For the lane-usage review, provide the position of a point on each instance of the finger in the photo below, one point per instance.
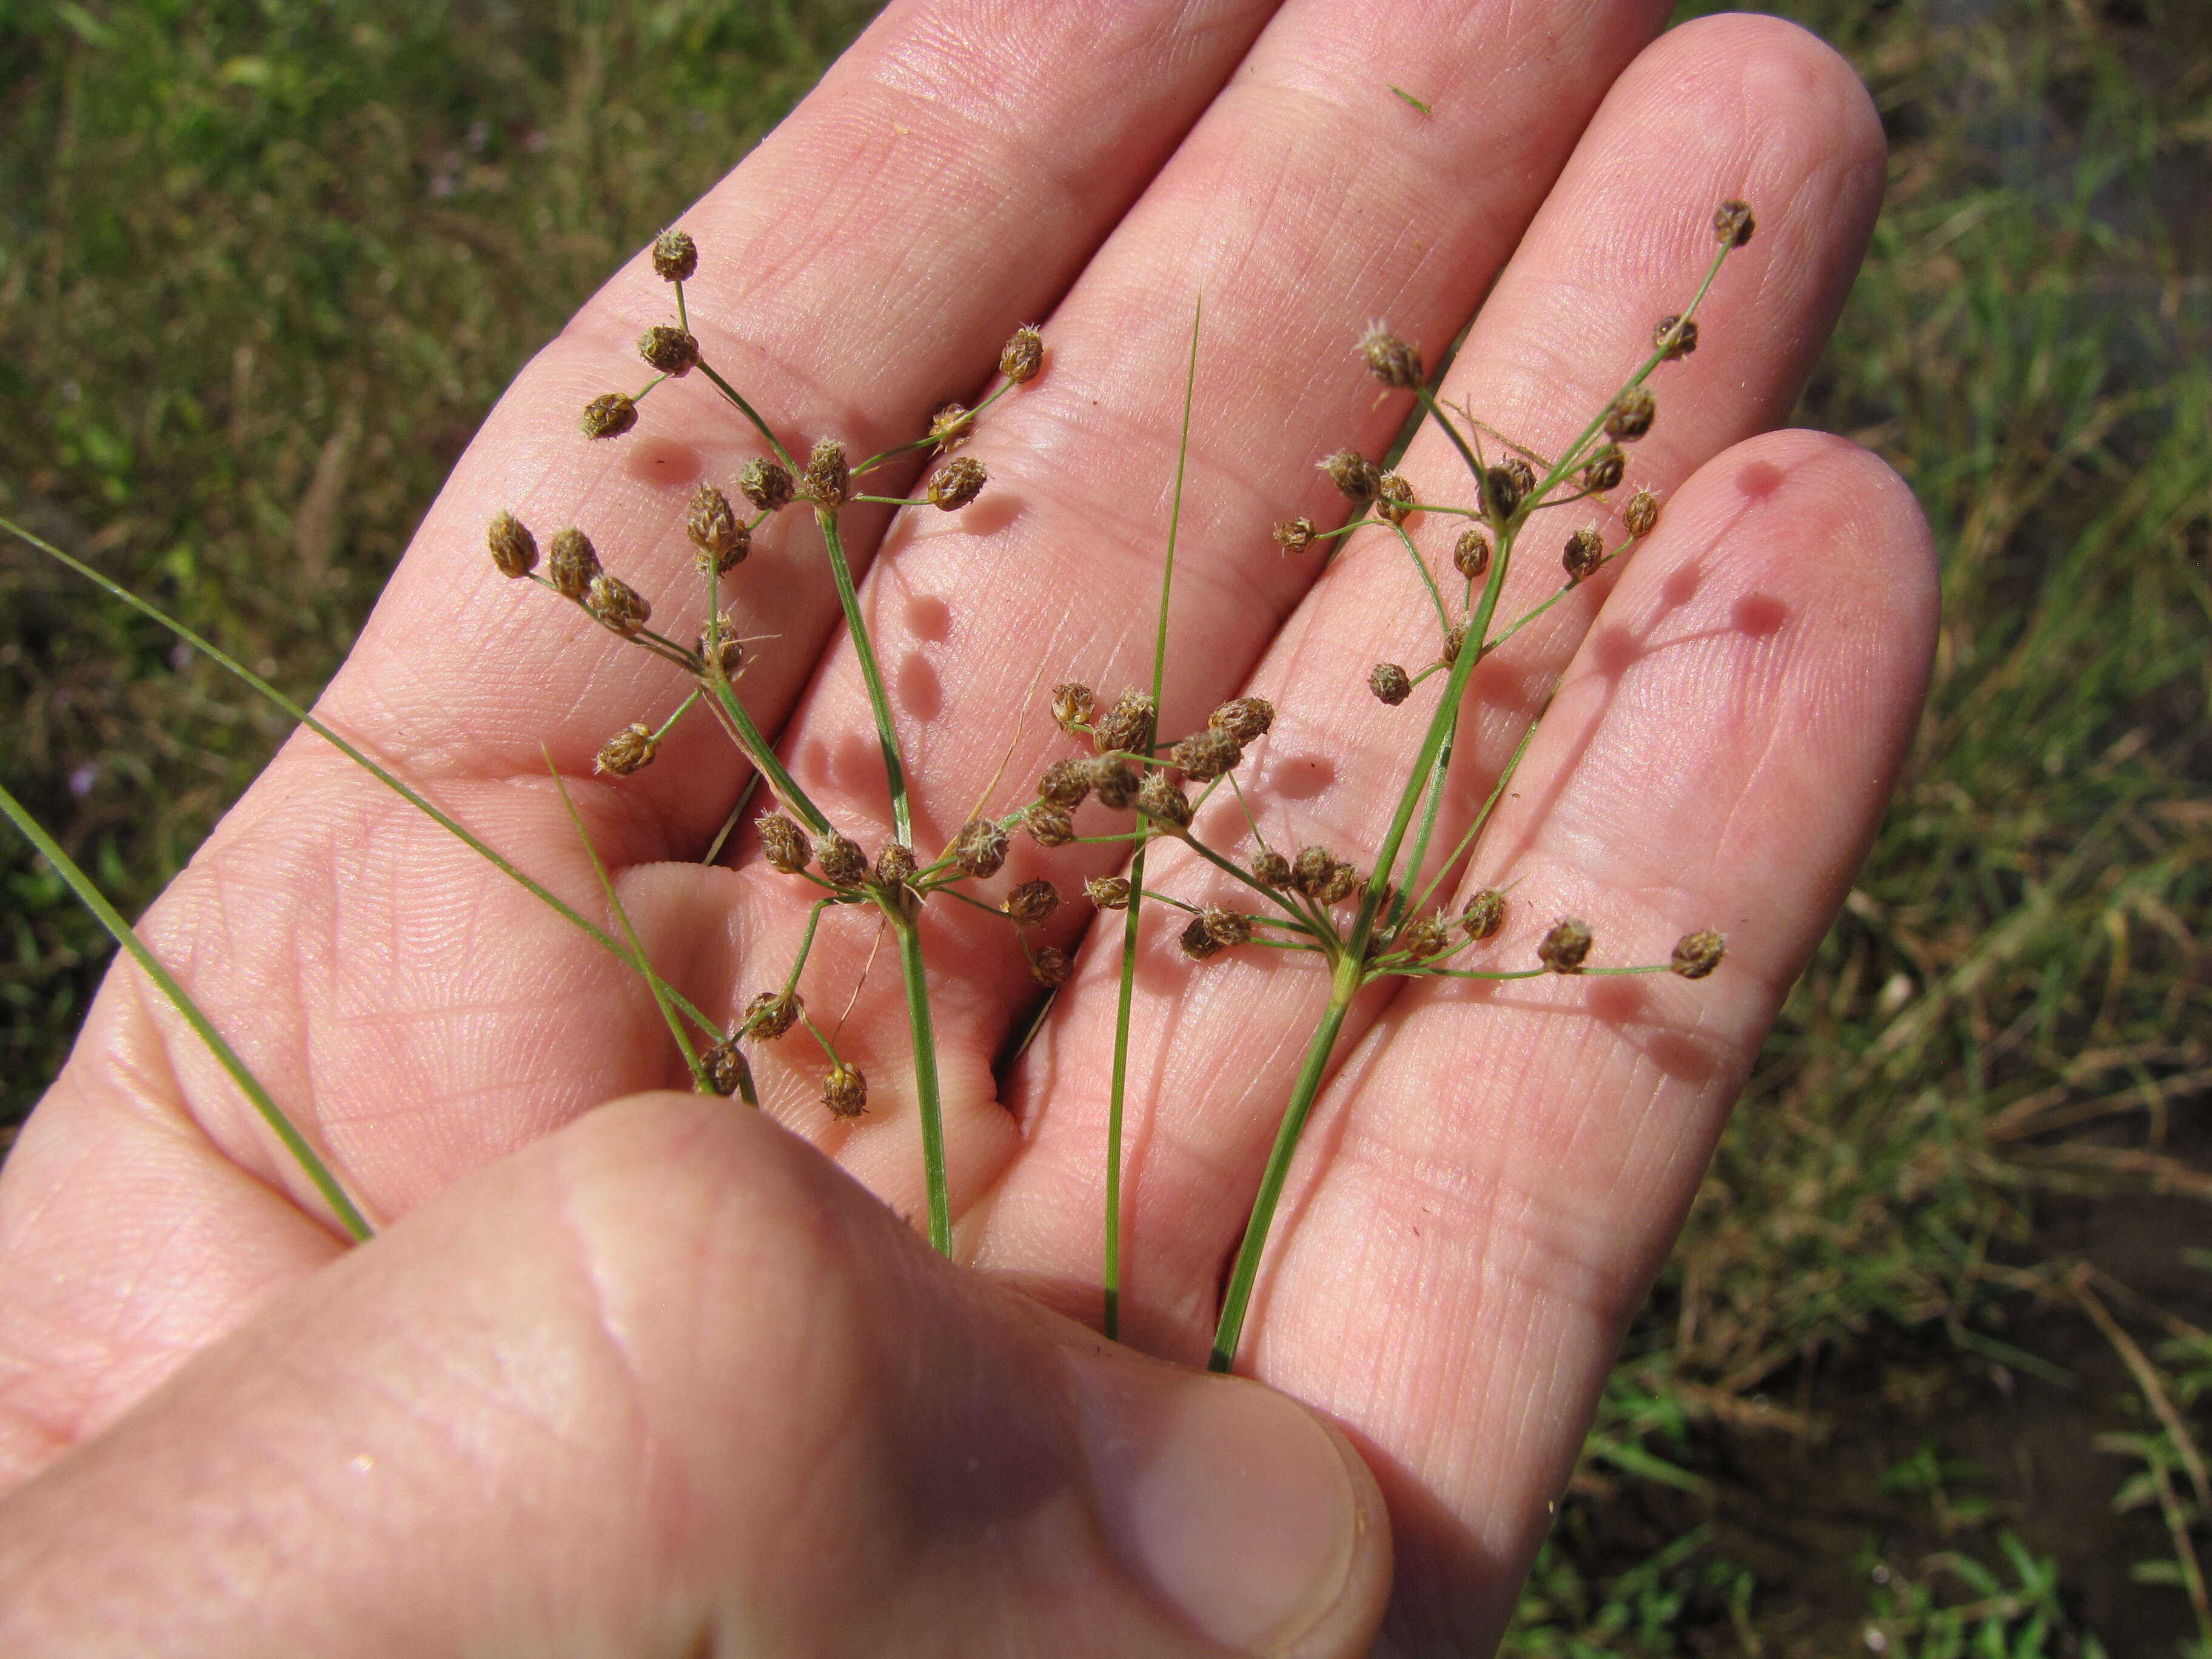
(668, 1384)
(380, 980)
(1719, 754)
(1309, 200)
(1739, 105)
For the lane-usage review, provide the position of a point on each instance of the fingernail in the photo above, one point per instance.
(1231, 1502)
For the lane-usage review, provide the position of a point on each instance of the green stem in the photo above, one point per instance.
(348, 1214)
(924, 1032)
(871, 672)
(1489, 805)
(567, 912)
(763, 758)
(1237, 1300)
(1118, 1100)
(1428, 580)
(1399, 906)
(751, 414)
(662, 993)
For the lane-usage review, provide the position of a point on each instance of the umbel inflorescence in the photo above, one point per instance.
(1363, 914)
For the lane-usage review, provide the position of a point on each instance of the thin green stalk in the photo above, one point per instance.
(730, 824)
(1352, 965)
(1428, 580)
(661, 991)
(348, 1214)
(567, 912)
(756, 750)
(806, 944)
(1399, 906)
(751, 414)
(1118, 1099)
(871, 672)
(1237, 1300)
(1489, 805)
(924, 1031)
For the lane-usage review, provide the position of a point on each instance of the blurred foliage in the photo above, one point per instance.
(265, 264)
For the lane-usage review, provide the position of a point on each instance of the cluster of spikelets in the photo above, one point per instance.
(1303, 896)
(1308, 892)
(722, 537)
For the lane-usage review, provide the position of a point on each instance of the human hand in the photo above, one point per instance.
(1491, 1180)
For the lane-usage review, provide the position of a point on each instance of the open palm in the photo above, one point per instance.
(1493, 1173)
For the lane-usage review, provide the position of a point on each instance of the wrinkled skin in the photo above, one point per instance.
(1491, 1177)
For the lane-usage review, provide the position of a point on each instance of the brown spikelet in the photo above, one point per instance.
(1066, 783)
(1343, 882)
(1226, 927)
(1295, 535)
(1485, 913)
(766, 483)
(1732, 223)
(829, 480)
(1309, 873)
(1270, 869)
(1566, 947)
(1072, 703)
(715, 530)
(618, 605)
(1116, 782)
(1391, 359)
(1604, 468)
(949, 428)
(1031, 902)
(1697, 954)
(673, 351)
(1631, 414)
(1501, 492)
(783, 843)
(1206, 755)
(1245, 719)
(609, 414)
(772, 1013)
(1197, 944)
(980, 849)
(894, 864)
(514, 549)
(1676, 336)
(1024, 355)
(571, 562)
(724, 1065)
(1389, 683)
(1126, 728)
(1161, 799)
(1051, 966)
(1471, 553)
(1108, 892)
(675, 255)
(1393, 497)
(845, 1091)
(1050, 825)
(1641, 515)
(956, 484)
(1353, 474)
(1585, 552)
(627, 751)
(843, 864)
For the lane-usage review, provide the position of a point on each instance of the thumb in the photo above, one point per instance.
(667, 1382)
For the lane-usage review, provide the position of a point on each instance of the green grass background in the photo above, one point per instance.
(1926, 1376)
